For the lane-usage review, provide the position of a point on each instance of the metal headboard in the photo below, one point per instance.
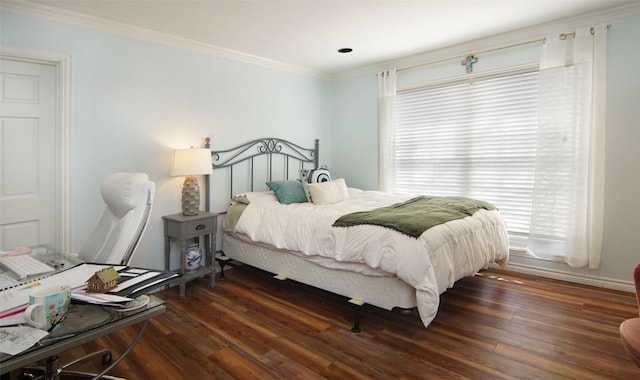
(248, 152)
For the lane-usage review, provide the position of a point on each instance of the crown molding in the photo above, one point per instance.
(502, 39)
(74, 18)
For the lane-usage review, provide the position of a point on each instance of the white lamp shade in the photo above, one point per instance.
(191, 162)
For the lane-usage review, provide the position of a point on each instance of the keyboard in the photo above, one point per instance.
(25, 265)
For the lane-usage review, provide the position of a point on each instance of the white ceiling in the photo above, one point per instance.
(308, 33)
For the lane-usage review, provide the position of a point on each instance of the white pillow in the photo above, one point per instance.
(326, 193)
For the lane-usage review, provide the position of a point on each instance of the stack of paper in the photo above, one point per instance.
(99, 298)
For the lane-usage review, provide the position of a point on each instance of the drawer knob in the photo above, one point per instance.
(200, 227)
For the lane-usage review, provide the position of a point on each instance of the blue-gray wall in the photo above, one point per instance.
(133, 102)
(356, 105)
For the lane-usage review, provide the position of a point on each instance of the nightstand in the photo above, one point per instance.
(182, 228)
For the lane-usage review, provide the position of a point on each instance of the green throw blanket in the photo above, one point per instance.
(416, 215)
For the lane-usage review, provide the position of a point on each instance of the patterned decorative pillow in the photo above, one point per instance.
(318, 175)
(321, 174)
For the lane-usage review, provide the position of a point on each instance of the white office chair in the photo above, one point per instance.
(129, 198)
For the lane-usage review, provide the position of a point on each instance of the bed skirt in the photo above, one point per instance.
(384, 292)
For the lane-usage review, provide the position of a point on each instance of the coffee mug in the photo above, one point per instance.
(48, 306)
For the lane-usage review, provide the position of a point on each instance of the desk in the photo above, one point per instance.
(65, 340)
(84, 323)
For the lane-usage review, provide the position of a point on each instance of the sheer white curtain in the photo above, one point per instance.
(567, 210)
(386, 133)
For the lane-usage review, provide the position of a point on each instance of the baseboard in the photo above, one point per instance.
(608, 283)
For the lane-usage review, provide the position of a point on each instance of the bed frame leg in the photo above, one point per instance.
(222, 260)
(357, 305)
(356, 320)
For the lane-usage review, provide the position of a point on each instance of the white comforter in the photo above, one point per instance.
(431, 264)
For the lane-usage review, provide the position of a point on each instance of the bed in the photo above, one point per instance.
(367, 263)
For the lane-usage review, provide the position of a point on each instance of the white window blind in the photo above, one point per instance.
(476, 139)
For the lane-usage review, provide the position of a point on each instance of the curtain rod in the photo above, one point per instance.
(562, 36)
(480, 52)
(592, 31)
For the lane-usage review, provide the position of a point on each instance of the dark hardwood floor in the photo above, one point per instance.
(496, 325)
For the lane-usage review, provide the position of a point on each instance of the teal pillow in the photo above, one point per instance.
(288, 191)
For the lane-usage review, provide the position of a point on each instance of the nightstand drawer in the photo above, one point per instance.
(198, 227)
(191, 228)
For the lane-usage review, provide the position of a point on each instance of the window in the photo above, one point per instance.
(476, 139)
(529, 141)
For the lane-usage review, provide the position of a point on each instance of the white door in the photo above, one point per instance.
(28, 199)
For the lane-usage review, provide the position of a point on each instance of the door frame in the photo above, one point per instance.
(62, 64)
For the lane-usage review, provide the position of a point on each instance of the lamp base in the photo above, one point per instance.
(190, 196)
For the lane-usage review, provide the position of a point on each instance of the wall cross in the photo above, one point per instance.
(468, 62)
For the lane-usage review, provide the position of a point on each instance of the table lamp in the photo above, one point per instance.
(189, 163)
